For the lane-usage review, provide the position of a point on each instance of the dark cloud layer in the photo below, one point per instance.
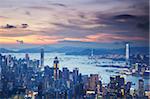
(59, 4)
(8, 26)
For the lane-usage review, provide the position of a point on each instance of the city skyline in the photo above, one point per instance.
(24, 78)
(74, 49)
(92, 23)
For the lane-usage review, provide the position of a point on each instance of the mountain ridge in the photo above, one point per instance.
(79, 51)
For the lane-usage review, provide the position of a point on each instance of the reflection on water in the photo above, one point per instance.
(81, 62)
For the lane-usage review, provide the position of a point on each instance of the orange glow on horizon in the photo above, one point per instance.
(32, 39)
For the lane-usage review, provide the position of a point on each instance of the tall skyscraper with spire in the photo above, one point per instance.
(42, 58)
(127, 54)
(127, 51)
(56, 68)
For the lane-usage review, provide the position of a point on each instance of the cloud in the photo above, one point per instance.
(8, 26)
(124, 17)
(20, 41)
(118, 24)
(24, 25)
(40, 8)
(90, 21)
(3, 17)
(138, 24)
(105, 38)
(27, 13)
(15, 32)
(140, 6)
(59, 4)
(126, 24)
(115, 27)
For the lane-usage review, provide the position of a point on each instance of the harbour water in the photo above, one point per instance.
(82, 62)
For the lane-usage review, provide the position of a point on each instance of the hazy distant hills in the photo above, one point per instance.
(134, 50)
(3, 50)
(79, 51)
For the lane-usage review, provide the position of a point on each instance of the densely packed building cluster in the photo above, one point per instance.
(26, 79)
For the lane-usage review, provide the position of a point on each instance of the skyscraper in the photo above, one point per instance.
(42, 58)
(56, 68)
(75, 75)
(127, 54)
(127, 51)
(93, 81)
(27, 59)
(8, 60)
(1, 74)
(141, 88)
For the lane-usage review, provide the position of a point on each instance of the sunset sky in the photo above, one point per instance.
(95, 23)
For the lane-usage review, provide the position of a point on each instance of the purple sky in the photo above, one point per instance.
(86, 23)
